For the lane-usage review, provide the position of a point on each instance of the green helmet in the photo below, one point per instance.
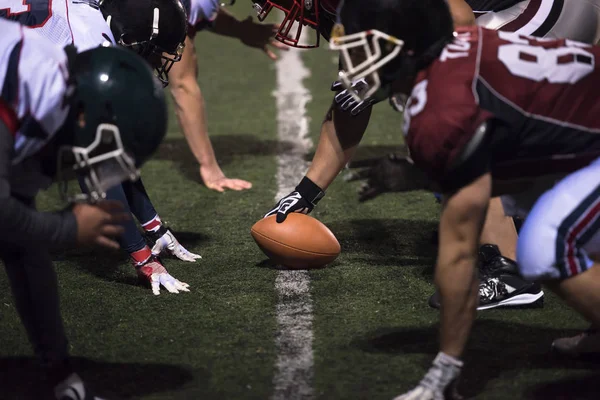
(117, 120)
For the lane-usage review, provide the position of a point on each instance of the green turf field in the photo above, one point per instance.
(374, 335)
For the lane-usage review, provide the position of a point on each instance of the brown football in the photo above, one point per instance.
(299, 242)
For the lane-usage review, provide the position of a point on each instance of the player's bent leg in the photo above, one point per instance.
(558, 237)
(500, 229)
(35, 290)
(582, 293)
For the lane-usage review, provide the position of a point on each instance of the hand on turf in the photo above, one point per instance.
(391, 173)
(302, 200)
(261, 36)
(439, 382)
(214, 179)
(168, 243)
(99, 224)
(346, 102)
(154, 273)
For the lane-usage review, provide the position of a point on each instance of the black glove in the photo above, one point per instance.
(302, 200)
(346, 102)
(392, 173)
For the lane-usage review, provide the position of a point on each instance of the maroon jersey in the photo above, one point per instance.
(539, 97)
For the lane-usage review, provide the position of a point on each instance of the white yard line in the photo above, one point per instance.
(294, 369)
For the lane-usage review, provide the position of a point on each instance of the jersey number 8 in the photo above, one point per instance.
(567, 64)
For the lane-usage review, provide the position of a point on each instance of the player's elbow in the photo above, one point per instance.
(184, 88)
(462, 14)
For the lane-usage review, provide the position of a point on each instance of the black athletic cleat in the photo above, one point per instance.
(500, 283)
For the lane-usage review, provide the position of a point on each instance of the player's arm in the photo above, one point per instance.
(461, 223)
(462, 14)
(20, 223)
(191, 113)
(82, 224)
(340, 135)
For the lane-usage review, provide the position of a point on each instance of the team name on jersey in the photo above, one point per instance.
(458, 48)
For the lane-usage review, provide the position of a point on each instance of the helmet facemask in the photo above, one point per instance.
(101, 165)
(300, 13)
(362, 57)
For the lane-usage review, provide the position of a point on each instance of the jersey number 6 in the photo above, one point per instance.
(567, 64)
(31, 13)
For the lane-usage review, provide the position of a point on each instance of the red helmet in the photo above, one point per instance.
(318, 14)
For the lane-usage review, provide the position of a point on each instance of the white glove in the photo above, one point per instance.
(438, 381)
(156, 274)
(168, 243)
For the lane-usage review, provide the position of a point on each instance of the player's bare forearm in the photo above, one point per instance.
(462, 14)
(340, 135)
(189, 105)
(455, 276)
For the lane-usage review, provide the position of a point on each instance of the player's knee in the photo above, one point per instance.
(536, 255)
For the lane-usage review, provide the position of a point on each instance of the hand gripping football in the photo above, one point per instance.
(300, 242)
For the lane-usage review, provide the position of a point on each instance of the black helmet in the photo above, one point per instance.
(155, 29)
(383, 40)
(117, 118)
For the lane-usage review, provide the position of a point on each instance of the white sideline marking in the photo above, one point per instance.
(294, 369)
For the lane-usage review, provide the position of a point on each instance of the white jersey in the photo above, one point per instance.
(63, 22)
(33, 82)
(572, 19)
(89, 27)
(201, 13)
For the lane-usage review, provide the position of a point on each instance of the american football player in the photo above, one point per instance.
(490, 113)
(351, 119)
(155, 29)
(208, 15)
(64, 117)
(547, 18)
(574, 20)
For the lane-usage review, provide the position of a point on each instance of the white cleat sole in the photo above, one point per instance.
(518, 300)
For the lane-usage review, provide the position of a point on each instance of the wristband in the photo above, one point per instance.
(310, 191)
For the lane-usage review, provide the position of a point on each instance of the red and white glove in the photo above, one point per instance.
(165, 241)
(153, 272)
